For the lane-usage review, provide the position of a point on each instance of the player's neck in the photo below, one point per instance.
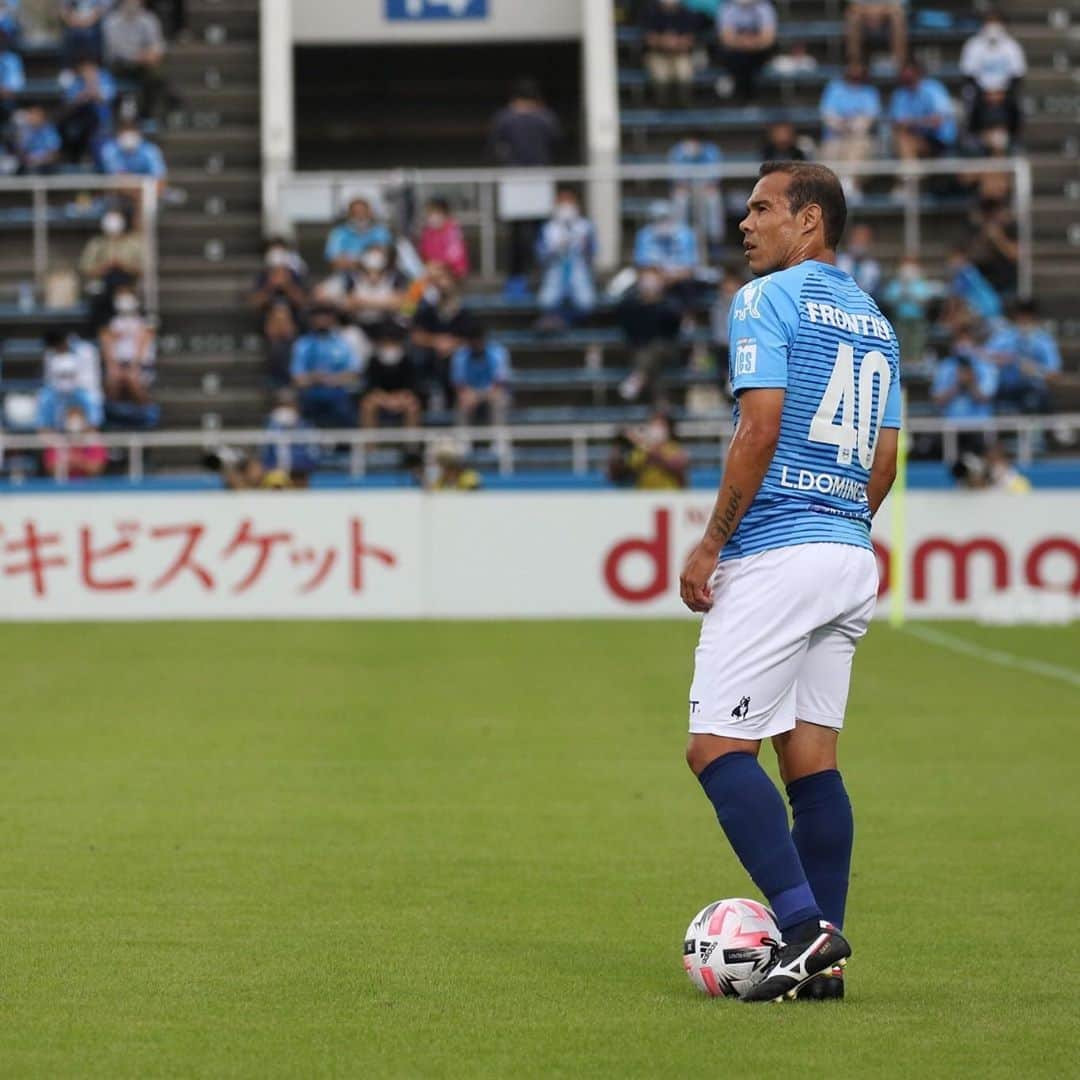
(811, 253)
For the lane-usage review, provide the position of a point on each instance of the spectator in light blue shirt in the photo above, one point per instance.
(1028, 359)
(907, 298)
(850, 109)
(964, 383)
(670, 248)
(9, 20)
(35, 142)
(360, 231)
(565, 251)
(698, 200)
(479, 373)
(969, 287)
(132, 154)
(12, 78)
(324, 368)
(89, 92)
(922, 114)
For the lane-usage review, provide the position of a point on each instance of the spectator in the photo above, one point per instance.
(441, 239)
(130, 153)
(360, 231)
(995, 249)
(747, 40)
(62, 391)
(80, 456)
(12, 78)
(798, 60)
(438, 330)
(874, 16)
(523, 134)
(480, 372)
(9, 21)
(670, 248)
(375, 291)
(907, 296)
(922, 115)
(451, 472)
(968, 287)
(285, 463)
(66, 352)
(963, 388)
(81, 20)
(782, 143)
(108, 261)
(730, 284)
(324, 368)
(282, 279)
(129, 348)
(668, 33)
(994, 62)
(280, 331)
(651, 459)
(135, 50)
(697, 199)
(566, 250)
(1027, 358)
(390, 384)
(35, 142)
(850, 110)
(858, 259)
(650, 322)
(89, 92)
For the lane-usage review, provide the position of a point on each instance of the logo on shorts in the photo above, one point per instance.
(742, 710)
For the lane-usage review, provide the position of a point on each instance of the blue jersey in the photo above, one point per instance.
(811, 331)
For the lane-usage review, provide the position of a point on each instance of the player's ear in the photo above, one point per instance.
(811, 217)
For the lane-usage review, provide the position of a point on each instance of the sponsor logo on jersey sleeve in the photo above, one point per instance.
(745, 356)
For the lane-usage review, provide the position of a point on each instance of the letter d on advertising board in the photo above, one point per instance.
(657, 548)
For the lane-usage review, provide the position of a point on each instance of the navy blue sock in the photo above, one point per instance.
(823, 833)
(752, 815)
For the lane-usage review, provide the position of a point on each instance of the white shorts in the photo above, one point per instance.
(779, 640)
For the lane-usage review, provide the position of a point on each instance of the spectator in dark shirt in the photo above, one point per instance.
(782, 143)
(438, 331)
(650, 321)
(280, 331)
(81, 20)
(995, 249)
(12, 78)
(668, 29)
(281, 280)
(89, 92)
(390, 383)
(523, 134)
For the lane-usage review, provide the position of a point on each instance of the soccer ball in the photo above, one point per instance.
(729, 945)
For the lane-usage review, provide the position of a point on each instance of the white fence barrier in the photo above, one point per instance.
(415, 555)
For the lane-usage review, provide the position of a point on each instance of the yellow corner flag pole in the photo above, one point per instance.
(898, 560)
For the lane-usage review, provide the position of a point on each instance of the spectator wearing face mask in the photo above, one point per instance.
(62, 391)
(135, 50)
(130, 153)
(907, 298)
(857, 259)
(375, 291)
(324, 369)
(66, 353)
(566, 250)
(650, 323)
(128, 346)
(747, 30)
(451, 470)
(358, 232)
(12, 78)
(922, 115)
(282, 279)
(285, 463)
(963, 388)
(697, 199)
(89, 92)
(81, 21)
(390, 383)
(669, 31)
(35, 142)
(669, 248)
(112, 259)
(441, 239)
(850, 110)
(968, 287)
(80, 456)
(1027, 358)
(480, 374)
(994, 63)
(438, 331)
(650, 458)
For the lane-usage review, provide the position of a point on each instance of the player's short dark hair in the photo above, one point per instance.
(813, 183)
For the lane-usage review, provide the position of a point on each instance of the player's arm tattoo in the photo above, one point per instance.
(725, 516)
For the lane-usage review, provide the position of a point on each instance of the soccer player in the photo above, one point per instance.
(815, 370)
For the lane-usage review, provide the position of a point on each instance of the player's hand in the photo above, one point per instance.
(694, 583)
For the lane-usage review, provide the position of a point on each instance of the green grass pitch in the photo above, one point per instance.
(439, 850)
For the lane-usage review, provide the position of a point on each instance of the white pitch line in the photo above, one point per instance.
(994, 656)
